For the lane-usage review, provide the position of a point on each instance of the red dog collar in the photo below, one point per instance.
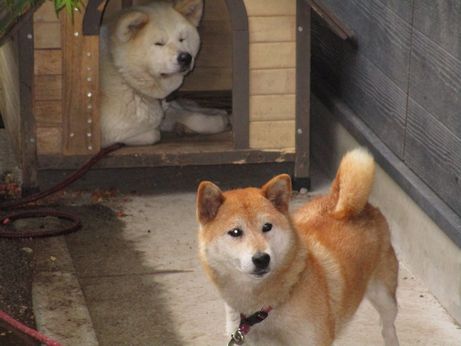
(238, 337)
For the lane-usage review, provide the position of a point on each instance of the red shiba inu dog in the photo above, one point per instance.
(306, 272)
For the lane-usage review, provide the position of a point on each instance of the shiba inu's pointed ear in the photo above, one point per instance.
(129, 24)
(209, 199)
(278, 191)
(191, 9)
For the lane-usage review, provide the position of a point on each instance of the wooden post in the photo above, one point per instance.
(240, 74)
(81, 133)
(28, 149)
(303, 59)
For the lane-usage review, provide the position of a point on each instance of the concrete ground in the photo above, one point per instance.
(131, 277)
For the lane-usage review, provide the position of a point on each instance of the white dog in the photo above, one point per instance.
(146, 51)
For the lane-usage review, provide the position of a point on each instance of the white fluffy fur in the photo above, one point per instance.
(139, 68)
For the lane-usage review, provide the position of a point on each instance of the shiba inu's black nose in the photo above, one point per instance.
(261, 260)
(184, 59)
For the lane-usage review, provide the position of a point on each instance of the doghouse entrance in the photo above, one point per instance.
(210, 84)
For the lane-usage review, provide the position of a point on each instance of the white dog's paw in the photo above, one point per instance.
(145, 138)
(205, 123)
(194, 119)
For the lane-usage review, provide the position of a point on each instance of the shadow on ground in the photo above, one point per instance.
(126, 302)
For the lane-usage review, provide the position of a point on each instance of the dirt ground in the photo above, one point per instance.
(16, 272)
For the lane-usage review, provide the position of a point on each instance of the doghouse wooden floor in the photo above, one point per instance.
(176, 151)
(172, 144)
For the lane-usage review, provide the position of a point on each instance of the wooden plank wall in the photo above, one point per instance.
(48, 80)
(272, 25)
(403, 81)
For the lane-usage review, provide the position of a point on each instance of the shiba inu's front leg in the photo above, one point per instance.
(232, 320)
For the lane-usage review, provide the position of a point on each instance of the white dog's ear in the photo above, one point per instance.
(209, 199)
(129, 24)
(191, 9)
(278, 191)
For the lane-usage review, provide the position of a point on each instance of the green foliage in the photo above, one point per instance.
(12, 10)
(69, 5)
(19, 6)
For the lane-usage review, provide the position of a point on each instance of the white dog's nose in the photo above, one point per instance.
(184, 59)
(261, 260)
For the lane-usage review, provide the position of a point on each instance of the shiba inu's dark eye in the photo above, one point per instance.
(236, 232)
(267, 227)
(181, 39)
(160, 44)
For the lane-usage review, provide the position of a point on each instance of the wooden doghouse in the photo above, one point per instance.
(257, 52)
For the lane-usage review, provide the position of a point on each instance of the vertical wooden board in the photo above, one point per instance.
(48, 87)
(270, 7)
(303, 92)
(272, 134)
(47, 35)
(276, 81)
(46, 13)
(48, 61)
(272, 29)
(28, 146)
(49, 140)
(272, 55)
(272, 107)
(433, 152)
(48, 112)
(81, 129)
(435, 81)
(240, 84)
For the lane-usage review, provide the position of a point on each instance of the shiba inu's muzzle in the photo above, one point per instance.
(261, 261)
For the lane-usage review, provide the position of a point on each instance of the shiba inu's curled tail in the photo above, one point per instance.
(352, 185)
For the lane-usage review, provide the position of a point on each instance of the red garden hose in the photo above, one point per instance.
(28, 331)
(29, 213)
